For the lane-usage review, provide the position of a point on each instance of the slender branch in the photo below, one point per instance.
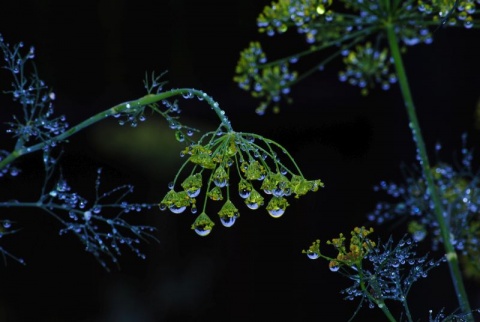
(123, 107)
(451, 254)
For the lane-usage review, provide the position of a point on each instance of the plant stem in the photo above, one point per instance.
(135, 104)
(451, 255)
(378, 301)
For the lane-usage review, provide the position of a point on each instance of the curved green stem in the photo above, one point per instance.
(144, 101)
(451, 255)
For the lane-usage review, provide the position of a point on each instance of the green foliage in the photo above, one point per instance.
(371, 36)
(356, 30)
(100, 224)
(218, 156)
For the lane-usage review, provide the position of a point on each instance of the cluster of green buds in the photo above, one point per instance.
(270, 83)
(351, 256)
(451, 12)
(355, 29)
(261, 174)
(367, 66)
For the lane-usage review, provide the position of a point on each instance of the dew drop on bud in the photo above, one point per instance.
(179, 136)
(227, 221)
(312, 255)
(193, 194)
(202, 231)
(177, 210)
(334, 267)
(276, 213)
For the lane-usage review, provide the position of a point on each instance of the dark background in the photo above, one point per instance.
(94, 54)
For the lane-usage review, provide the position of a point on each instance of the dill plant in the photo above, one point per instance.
(102, 224)
(440, 201)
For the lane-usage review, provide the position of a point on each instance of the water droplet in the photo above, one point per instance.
(179, 136)
(334, 267)
(244, 193)
(227, 221)
(177, 210)
(278, 192)
(252, 205)
(7, 224)
(276, 213)
(202, 231)
(220, 183)
(87, 215)
(193, 194)
(312, 255)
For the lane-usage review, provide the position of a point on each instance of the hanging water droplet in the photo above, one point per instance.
(227, 221)
(244, 193)
(187, 95)
(87, 215)
(7, 224)
(177, 210)
(252, 205)
(278, 192)
(170, 185)
(179, 136)
(312, 255)
(220, 182)
(334, 267)
(202, 231)
(193, 194)
(276, 213)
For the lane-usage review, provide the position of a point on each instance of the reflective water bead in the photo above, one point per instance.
(227, 221)
(193, 193)
(177, 210)
(312, 255)
(278, 192)
(244, 193)
(179, 136)
(252, 205)
(276, 213)
(87, 215)
(334, 267)
(220, 182)
(202, 231)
